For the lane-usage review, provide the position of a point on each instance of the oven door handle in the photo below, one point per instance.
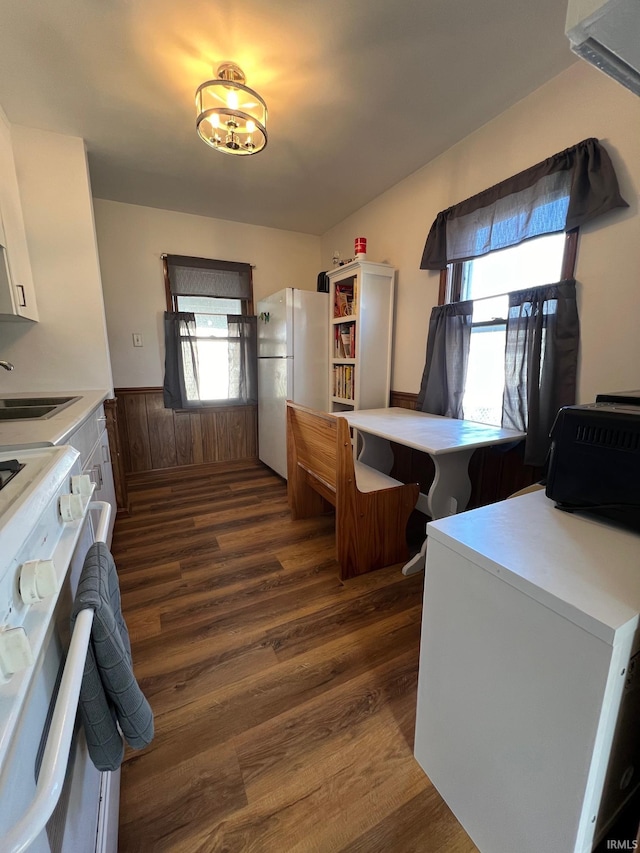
(103, 520)
(56, 754)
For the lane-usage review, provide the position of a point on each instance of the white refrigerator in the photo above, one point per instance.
(293, 364)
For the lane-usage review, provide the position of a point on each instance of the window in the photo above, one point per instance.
(212, 344)
(209, 333)
(486, 281)
(541, 331)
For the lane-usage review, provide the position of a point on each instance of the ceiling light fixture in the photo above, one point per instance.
(231, 117)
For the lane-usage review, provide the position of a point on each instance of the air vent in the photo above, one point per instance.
(598, 55)
(614, 439)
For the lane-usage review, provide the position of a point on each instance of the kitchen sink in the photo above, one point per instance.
(21, 413)
(32, 408)
(35, 401)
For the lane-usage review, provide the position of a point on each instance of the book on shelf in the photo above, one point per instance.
(343, 300)
(344, 381)
(344, 343)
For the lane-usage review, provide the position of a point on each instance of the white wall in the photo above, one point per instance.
(67, 349)
(579, 103)
(131, 240)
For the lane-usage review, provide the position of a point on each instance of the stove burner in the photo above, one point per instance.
(8, 470)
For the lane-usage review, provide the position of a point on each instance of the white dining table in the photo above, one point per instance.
(450, 443)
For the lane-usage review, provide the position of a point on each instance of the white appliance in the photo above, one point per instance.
(293, 364)
(529, 681)
(606, 33)
(52, 798)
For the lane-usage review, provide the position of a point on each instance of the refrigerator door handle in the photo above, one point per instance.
(275, 356)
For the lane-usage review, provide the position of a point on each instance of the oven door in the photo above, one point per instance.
(87, 799)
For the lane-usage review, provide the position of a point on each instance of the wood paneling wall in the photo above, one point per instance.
(495, 472)
(153, 437)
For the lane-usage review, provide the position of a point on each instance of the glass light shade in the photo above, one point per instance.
(231, 117)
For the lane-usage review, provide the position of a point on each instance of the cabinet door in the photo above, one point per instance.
(101, 473)
(17, 295)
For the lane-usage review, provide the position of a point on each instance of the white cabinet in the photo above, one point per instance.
(92, 442)
(100, 471)
(529, 679)
(17, 294)
(361, 318)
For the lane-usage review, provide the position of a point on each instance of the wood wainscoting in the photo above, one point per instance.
(495, 472)
(154, 438)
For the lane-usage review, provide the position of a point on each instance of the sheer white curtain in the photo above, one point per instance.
(243, 359)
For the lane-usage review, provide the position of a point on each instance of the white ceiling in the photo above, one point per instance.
(360, 93)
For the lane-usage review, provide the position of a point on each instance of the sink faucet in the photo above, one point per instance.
(6, 364)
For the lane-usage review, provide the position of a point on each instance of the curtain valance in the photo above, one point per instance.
(560, 194)
(204, 277)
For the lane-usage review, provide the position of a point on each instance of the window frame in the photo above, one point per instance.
(451, 279)
(450, 283)
(171, 299)
(172, 306)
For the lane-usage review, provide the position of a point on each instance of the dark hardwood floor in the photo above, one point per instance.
(284, 698)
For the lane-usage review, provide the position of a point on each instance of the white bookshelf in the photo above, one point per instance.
(361, 294)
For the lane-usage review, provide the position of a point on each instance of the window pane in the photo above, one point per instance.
(209, 305)
(529, 264)
(490, 309)
(483, 391)
(211, 326)
(212, 344)
(213, 367)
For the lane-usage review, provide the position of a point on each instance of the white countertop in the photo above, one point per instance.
(54, 430)
(581, 567)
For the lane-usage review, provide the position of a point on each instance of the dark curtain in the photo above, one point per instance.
(181, 360)
(560, 194)
(243, 359)
(540, 362)
(445, 370)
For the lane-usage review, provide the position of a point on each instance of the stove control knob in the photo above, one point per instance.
(81, 485)
(71, 507)
(15, 652)
(38, 580)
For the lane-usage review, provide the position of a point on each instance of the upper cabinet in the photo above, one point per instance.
(17, 294)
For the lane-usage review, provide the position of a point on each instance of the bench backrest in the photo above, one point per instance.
(370, 524)
(315, 439)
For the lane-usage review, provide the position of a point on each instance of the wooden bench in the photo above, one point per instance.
(371, 508)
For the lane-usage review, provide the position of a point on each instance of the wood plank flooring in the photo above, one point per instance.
(284, 698)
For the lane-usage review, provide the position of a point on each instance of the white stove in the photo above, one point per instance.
(45, 531)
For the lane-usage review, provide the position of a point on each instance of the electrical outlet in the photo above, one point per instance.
(137, 339)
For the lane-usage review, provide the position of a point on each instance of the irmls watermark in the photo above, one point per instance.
(623, 845)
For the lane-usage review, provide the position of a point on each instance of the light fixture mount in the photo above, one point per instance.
(232, 72)
(231, 117)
